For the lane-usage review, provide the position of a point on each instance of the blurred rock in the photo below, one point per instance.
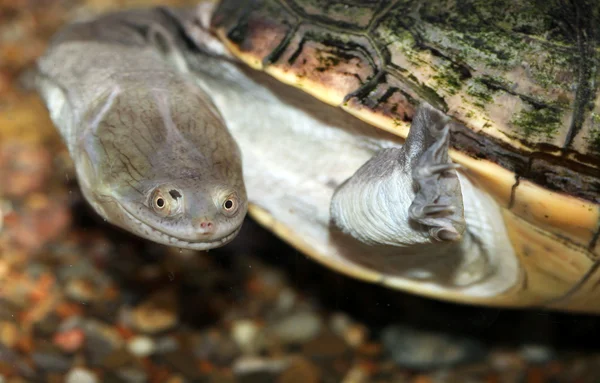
(141, 346)
(9, 334)
(70, 341)
(101, 341)
(300, 370)
(325, 347)
(81, 375)
(245, 334)
(299, 327)
(132, 375)
(81, 290)
(50, 358)
(184, 362)
(257, 369)
(425, 350)
(24, 168)
(157, 313)
(38, 222)
(537, 353)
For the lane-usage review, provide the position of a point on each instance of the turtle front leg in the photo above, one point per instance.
(405, 196)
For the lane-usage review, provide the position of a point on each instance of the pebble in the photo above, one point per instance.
(183, 362)
(245, 333)
(503, 360)
(8, 309)
(326, 346)
(23, 168)
(536, 353)
(51, 360)
(105, 310)
(156, 314)
(118, 359)
(286, 300)
(9, 334)
(300, 370)
(70, 341)
(356, 374)
(40, 222)
(225, 351)
(425, 350)
(14, 362)
(4, 265)
(80, 375)
(141, 346)
(166, 344)
(101, 341)
(81, 290)
(248, 364)
(355, 335)
(299, 327)
(251, 369)
(47, 326)
(71, 322)
(339, 323)
(132, 375)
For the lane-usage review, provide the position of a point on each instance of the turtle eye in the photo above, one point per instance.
(166, 204)
(230, 204)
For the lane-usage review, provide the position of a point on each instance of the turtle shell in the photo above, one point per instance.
(520, 76)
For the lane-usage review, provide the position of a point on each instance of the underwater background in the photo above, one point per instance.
(82, 301)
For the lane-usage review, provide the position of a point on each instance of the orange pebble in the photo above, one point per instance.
(206, 367)
(125, 332)
(25, 344)
(68, 309)
(422, 379)
(70, 341)
(42, 288)
(158, 374)
(535, 375)
(254, 285)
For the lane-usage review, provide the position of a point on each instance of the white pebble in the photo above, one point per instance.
(251, 364)
(141, 346)
(286, 299)
(80, 375)
(244, 333)
(299, 327)
(339, 323)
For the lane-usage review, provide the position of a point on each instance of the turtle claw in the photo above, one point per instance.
(445, 234)
(432, 210)
(440, 169)
(438, 198)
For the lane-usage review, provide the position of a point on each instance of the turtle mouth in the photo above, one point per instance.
(157, 235)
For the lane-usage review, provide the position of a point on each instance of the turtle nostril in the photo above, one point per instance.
(205, 226)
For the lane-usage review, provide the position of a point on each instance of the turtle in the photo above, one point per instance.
(447, 149)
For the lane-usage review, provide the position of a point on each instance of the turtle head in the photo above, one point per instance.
(159, 162)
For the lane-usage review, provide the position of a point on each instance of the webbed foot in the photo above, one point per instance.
(405, 196)
(438, 199)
